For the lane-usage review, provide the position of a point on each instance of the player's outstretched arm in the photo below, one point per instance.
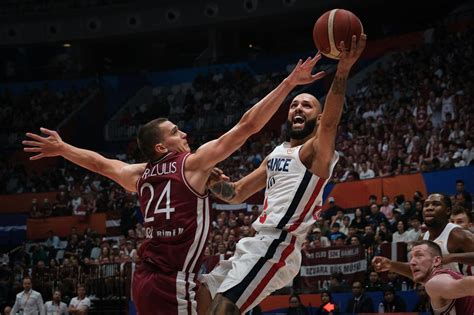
(254, 119)
(462, 258)
(381, 264)
(126, 175)
(239, 191)
(319, 152)
(446, 287)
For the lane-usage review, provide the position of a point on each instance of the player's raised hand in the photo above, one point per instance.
(303, 71)
(381, 264)
(48, 146)
(348, 57)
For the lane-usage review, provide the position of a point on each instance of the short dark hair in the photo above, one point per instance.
(459, 181)
(373, 197)
(432, 245)
(446, 200)
(461, 210)
(148, 136)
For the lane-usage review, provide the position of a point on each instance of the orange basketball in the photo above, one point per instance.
(333, 27)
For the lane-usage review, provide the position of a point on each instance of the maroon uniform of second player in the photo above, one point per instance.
(171, 254)
(464, 305)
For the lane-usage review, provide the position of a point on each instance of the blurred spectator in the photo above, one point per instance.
(366, 172)
(55, 306)
(359, 221)
(423, 304)
(394, 281)
(393, 303)
(461, 191)
(359, 302)
(296, 307)
(337, 283)
(35, 211)
(7, 310)
(462, 217)
(373, 283)
(332, 209)
(28, 301)
(80, 304)
(335, 233)
(414, 231)
(387, 208)
(328, 307)
(401, 235)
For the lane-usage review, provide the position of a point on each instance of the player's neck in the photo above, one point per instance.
(436, 231)
(297, 142)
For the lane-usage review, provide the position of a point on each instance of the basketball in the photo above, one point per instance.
(333, 27)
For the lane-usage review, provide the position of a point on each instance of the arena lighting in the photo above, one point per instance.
(66, 45)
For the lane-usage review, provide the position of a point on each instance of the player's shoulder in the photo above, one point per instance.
(436, 283)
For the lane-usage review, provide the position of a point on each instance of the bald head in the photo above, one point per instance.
(309, 98)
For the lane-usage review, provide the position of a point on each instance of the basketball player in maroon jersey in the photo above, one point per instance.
(173, 195)
(436, 213)
(450, 292)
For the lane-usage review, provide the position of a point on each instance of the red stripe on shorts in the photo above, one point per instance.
(273, 270)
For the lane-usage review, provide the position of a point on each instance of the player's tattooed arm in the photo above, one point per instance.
(223, 190)
(339, 84)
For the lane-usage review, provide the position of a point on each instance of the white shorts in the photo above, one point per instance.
(260, 265)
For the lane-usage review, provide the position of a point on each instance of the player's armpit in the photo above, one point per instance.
(129, 175)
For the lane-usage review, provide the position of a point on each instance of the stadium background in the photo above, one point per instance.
(96, 70)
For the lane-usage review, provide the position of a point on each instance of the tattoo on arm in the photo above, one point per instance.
(223, 190)
(339, 85)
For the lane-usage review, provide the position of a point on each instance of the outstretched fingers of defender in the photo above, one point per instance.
(50, 132)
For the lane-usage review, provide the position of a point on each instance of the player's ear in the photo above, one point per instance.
(437, 261)
(160, 148)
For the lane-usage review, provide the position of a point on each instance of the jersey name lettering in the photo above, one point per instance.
(160, 169)
(278, 164)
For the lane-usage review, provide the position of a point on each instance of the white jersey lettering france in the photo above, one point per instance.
(293, 196)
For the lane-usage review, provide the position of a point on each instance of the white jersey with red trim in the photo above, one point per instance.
(294, 195)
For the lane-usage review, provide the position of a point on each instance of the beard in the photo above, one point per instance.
(308, 128)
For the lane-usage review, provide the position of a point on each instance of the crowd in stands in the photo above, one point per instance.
(70, 261)
(406, 116)
(35, 108)
(413, 115)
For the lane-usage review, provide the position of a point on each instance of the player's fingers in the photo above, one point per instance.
(49, 132)
(32, 143)
(37, 157)
(307, 62)
(225, 178)
(32, 149)
(299, 63)
(362, 42)
(353, 44)
(34, 136)
(319, 75)
(342, 47)
(316, 58)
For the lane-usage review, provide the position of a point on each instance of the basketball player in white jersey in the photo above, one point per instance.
(173, 185)
(294, 175)
(450, 237)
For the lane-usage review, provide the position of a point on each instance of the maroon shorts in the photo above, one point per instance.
(156, 292)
